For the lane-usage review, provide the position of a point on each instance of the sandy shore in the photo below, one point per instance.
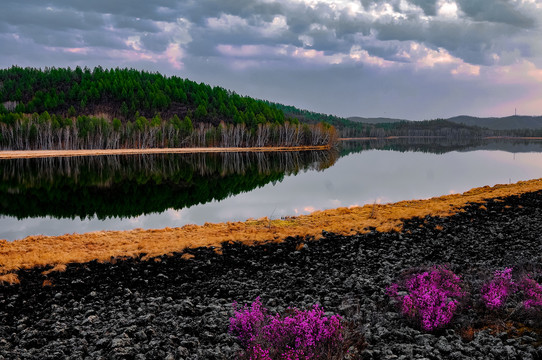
(103, 245)
(97, 152)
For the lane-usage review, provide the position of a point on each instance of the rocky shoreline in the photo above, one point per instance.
(178, 306)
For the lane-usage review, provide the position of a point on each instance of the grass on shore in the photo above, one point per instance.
(42, 251)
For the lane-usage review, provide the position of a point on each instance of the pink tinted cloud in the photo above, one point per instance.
(174, 55)
(83, 51)
(246, 50)
(524, 74)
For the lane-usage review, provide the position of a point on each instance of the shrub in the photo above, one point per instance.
(296, 334)
(495, 293)
(532, 293)
(248, 322)
(430, 298)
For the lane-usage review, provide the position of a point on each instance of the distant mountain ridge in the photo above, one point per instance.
(504, 123)
(513, 122)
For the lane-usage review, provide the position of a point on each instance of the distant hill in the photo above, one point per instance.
(380, 127)
(494, 123)
(378, 120)
(504, 123)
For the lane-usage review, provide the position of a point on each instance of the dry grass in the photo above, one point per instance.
(9, 278)
(103, 245)
(56, 268)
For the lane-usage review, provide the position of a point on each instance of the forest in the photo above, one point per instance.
(61, 108)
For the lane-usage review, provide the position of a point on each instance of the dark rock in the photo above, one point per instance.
(176, 308)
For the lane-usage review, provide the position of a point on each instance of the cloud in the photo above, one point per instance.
(345, 57)
(136, 24)
(429, 6)
(48, 17)
(497, 11)
(462, 28)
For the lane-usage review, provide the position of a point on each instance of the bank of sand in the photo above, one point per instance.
(35, 251)
(25, 154)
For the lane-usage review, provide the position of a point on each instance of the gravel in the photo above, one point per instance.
(177, 308)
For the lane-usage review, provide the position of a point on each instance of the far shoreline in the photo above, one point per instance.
(26, 154)
(439, 137)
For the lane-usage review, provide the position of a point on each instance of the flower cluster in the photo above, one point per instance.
(495, 293)
(430, 297)
(295, 335)
(247, 322)
(532, 293)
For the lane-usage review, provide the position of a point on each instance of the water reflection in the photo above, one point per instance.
(64, 195)
(129, 186)
(441, 145)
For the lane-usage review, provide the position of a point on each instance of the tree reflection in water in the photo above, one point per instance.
(132, 185)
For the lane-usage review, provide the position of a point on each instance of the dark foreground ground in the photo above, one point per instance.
(180, 309)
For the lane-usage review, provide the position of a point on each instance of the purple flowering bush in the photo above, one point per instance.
(532, 293)
(247, 322)
(294, 335)
(431, 298)
(495, 293)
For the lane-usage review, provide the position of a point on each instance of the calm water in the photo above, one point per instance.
(66, 195)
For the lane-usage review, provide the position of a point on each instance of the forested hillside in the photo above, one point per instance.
(383, 127)
(125, 93)
(59, 108)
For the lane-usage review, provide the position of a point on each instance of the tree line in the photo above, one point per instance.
(52, 132)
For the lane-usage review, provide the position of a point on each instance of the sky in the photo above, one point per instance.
(409, 59)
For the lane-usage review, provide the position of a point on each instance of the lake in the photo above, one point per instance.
(55, 196)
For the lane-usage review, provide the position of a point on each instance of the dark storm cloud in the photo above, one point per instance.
(137, 9)
(103, 40)
(199, 11)
(52, 38)
(139, 25)
(429, 7)
(53, 19)
(500, 11)
(155, 42)
(388, 52)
